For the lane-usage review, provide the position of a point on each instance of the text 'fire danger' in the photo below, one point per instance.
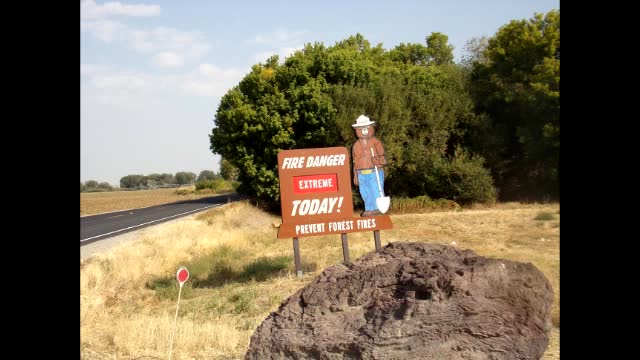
(313, 161)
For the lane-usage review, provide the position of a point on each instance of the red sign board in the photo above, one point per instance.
(315, 183)
(182, 275)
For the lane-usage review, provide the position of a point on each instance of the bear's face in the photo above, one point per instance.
(365, 132)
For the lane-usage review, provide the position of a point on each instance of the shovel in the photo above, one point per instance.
(383, 202)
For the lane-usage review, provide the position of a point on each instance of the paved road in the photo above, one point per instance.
(97, 227)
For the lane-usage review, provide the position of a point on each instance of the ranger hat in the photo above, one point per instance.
(362, 121)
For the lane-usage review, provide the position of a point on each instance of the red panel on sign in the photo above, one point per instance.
(183, 275)
(315, 183)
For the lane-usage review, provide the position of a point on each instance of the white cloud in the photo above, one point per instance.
(280, 42)
(90, 10)
(115, 88)
(92, 69)
(168, 59)
(167, 46)
(263, 56)
(119, 82)
(105, 30)
(279, 37)
(210, 80)
(288, 51)
(101, 84)
(139, 40)
(282, 53)
(208, 69)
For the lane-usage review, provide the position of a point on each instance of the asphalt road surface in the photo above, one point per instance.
(97, 227)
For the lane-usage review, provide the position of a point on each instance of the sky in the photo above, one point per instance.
(152, 73)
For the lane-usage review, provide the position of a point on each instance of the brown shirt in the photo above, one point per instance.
(361, 152)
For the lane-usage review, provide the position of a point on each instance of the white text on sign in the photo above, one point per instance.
(335, 226)
(315, 184)
(316, 206)
(310, 228)
(313, 161)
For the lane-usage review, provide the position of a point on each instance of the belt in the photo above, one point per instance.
(365, 172)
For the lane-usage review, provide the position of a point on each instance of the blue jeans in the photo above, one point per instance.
(369, 187)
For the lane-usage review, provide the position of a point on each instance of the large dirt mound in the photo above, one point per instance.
(413, 301)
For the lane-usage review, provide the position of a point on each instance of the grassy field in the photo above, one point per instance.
(240, 272)
(101, 202)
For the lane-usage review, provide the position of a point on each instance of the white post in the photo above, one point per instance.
(174, 322)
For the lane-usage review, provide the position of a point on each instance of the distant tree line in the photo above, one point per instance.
(485, 129)
(94, 186)
(153, 181)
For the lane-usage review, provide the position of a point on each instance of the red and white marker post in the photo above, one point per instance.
(182, 276)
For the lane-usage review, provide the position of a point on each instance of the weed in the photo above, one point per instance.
(545, 215)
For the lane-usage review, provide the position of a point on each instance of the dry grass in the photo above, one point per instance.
(101, 202)
(122, 317)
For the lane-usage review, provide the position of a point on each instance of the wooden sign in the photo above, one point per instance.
(315, 194)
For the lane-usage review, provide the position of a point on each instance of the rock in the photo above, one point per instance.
(413, 301)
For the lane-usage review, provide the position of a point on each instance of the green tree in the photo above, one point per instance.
(312, 99)
(82, 187)
(155, 179)
(228, 171)
(475, 52)
(167, 178)
(105, 186)
(439, 50)
(518, 88)
(206, 175)
(184, 177)
(91, 184)
(133, 181)
(414, 54)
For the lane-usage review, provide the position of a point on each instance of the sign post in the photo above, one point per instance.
(296, 256)
(345, 248)
(376, 239)
(182, 276)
